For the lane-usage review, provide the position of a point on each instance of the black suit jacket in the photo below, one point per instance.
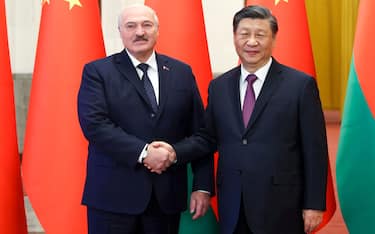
(116, 118)
(278, 164)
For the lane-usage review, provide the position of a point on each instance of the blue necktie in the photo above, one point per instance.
(148, 87)
(249, 101)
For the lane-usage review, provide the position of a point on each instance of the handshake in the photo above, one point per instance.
(160, 156)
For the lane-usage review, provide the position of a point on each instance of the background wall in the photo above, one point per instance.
(332, 26)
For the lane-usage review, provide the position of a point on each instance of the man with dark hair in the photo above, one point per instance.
(266, 121)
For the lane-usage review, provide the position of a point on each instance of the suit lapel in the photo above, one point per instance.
(234, 84)
(164, 81)
(127, 69)
(270, 85)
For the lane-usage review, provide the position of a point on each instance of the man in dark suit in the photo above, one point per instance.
(120, 114)
(272, 166)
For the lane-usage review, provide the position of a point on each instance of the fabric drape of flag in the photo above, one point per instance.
(12, 211)
(293, 48)
(183, 36)
(355, 165)
(55, 150)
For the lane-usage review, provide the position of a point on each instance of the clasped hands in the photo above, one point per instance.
(160, 156)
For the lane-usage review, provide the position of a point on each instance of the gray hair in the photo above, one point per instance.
(123, 11)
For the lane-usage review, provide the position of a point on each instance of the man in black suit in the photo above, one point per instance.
(272, 166)
(126, 101)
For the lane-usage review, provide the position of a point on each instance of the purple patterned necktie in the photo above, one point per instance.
(249, 101)
(148, 87)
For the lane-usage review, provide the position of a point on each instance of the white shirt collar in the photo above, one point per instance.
(151, 61)
(261, 73)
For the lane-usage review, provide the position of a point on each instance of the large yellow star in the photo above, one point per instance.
(277, 1)
(72, 3)
(45, 1)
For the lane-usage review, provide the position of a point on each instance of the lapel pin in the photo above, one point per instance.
(165, 68)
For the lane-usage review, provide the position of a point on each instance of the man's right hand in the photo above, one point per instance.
(160, 155)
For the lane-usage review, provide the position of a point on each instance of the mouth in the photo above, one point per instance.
(251, 52)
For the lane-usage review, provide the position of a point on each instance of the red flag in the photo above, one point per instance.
(184, 38)
(12, 211)
(55, 150)
(293, 48)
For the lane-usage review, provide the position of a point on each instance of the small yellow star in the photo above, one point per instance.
(72, 3)
(45, 1)
(278, 1)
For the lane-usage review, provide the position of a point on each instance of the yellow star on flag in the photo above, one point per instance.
(278, 1)
(45, 1)
(72, 3)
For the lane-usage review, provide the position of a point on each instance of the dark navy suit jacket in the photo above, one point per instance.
(116, 118)
(278, 163)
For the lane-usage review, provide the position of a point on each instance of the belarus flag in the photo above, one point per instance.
(355, 166)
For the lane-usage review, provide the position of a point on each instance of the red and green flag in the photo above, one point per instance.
(12, 211)
(293, 48)
(55, 150)
(355, 165)
(188, 29)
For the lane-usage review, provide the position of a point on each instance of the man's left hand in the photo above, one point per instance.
(312, 219)
(199, 203)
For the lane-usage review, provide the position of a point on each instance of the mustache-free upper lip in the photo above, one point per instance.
(251, 51)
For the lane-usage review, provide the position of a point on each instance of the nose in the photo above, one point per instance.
(252, 41)
(139, 30)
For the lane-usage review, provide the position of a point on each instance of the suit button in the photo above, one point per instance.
(152, 115)
(244, 141)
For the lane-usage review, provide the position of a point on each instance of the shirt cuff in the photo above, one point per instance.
(143, 154)
(204, 191)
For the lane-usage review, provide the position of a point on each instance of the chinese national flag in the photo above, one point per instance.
(293, 48)
(184, 38)
(12, 211)
(55, 150)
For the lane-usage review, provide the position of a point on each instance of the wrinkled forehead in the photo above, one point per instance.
(254, 23)
(138, 14)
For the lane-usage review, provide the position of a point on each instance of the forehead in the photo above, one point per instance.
(254, 24)
(137, 14)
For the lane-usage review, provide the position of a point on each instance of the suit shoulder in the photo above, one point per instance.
(228, 75)
(172, 61)
(102, 61)
(292, 72)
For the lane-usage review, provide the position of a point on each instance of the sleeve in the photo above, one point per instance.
(202, 163)
(314, 147)
(104, 136)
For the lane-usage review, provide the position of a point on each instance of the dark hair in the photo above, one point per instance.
(255, 12)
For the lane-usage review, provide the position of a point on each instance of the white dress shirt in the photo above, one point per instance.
(261, 74)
